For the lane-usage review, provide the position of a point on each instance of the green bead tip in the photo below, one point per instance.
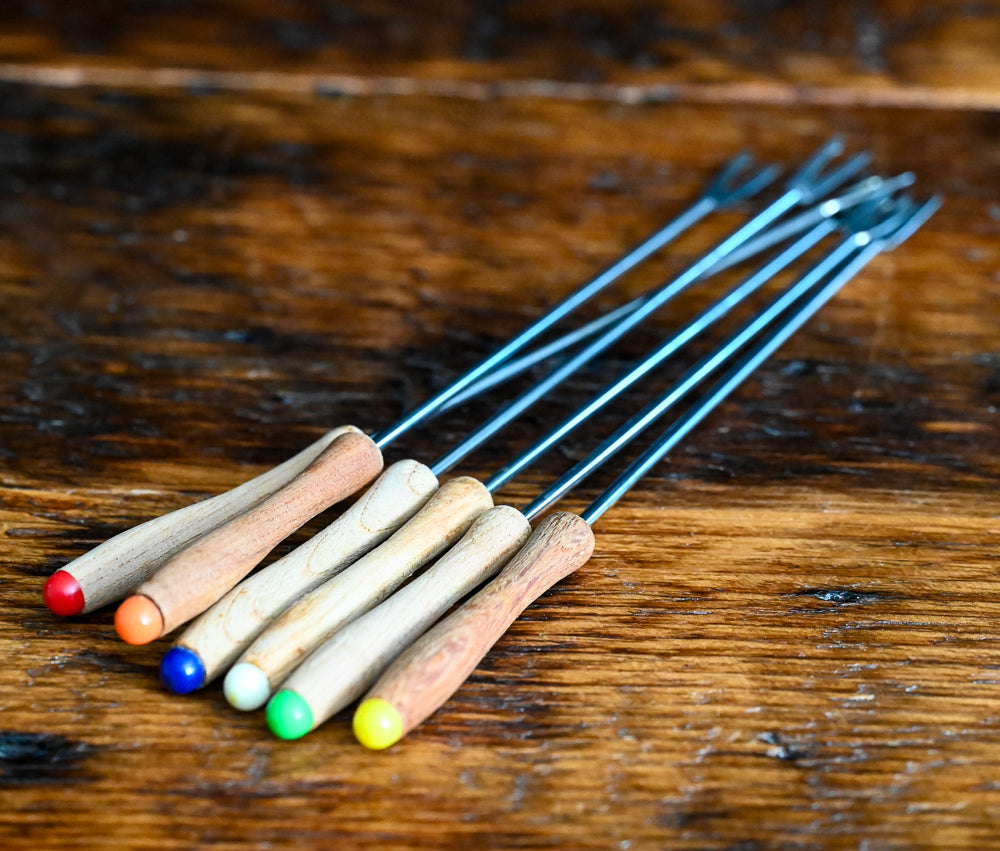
(288, 715)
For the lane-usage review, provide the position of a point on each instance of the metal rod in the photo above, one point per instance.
(803, 186)
(670, 346)
(719, 193)
(516, 366)
(694, 376)
(899, 228)
(871, 226)
(861, 191)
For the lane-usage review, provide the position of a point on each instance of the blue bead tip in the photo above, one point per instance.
(182, 670)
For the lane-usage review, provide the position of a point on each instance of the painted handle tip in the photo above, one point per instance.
(288, 715)
(246, 687)
(182, 670)
(63, 594)
(377, 724)
(138, 620)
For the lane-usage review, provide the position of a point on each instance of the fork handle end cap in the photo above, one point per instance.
(63, 594)
(377, 724)
(288, 715)
(138, 620)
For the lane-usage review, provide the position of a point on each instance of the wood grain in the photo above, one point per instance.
(786, 637)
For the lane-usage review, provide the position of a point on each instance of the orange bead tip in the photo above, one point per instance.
(138, 620)
(63, 594)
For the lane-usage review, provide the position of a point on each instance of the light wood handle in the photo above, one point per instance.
(314, 618)
(115, 568)
(341, 669)
(220, 634)
(190, 581)
(427, 674)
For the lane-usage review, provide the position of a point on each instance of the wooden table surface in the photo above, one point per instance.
(229, 226)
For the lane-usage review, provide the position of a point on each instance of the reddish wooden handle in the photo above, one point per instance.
(427, 674)
(200, 574)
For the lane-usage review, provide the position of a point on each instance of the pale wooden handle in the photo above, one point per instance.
(340, 670)
(427, 674)
(113, 569)
(317, 615)
(198, 575)
(220, 634)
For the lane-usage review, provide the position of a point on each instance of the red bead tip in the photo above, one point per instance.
(63, 594)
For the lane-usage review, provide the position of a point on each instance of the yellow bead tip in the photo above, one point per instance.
(377, 724)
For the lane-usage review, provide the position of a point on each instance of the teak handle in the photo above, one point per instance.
(115, 568)
(191, 580)
(220, 634)
(433, 668)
